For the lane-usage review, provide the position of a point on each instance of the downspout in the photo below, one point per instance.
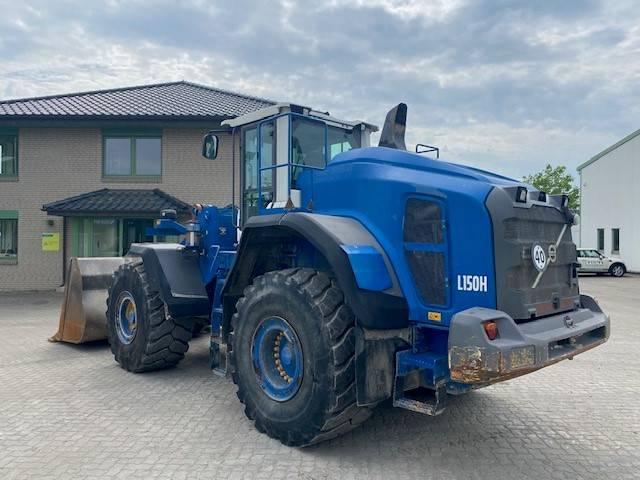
(64, 251)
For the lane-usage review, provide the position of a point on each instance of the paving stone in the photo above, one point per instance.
(71, 412)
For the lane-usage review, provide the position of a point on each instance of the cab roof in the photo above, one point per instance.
(282, 108)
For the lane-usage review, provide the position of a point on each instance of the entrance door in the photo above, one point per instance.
(134, 231)
(105, 238)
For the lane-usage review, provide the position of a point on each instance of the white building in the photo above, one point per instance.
(610, 201)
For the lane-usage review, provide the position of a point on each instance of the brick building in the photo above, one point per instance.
(84, 174)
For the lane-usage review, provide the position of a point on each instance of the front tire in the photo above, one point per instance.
(142, 336)
(305, 394)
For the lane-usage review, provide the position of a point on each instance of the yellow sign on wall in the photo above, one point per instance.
(50, 242)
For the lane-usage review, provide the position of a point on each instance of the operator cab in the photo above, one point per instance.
(280, 147)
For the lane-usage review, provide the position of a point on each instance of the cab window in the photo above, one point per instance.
(341, 140)
(307, 142)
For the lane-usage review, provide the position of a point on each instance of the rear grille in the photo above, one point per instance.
(516, 230)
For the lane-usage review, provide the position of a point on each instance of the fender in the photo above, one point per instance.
(174, 272)
(376, 304)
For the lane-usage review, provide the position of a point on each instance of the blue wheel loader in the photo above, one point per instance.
(347, 275)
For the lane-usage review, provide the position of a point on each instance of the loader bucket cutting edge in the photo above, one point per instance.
(83, 312)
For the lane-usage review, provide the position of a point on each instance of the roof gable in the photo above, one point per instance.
(163, 100)
(629, 137)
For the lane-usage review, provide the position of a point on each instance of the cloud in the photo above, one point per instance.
(506, 85)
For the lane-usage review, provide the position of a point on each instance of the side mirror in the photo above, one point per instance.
(210, 146)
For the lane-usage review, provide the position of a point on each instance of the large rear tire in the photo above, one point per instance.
(142, 336)
(293, 357)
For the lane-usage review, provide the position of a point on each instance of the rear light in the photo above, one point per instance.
(491, 329)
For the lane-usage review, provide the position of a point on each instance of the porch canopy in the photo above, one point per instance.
(107, 202)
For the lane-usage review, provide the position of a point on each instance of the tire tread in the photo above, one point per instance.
(168, 340)
(324, 296)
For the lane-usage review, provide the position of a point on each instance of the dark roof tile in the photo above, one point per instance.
(117, 202)
(176, 99)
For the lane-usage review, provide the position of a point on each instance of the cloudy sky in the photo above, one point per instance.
(503, 85)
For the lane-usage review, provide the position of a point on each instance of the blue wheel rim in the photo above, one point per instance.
(277, 359)
(126, 318)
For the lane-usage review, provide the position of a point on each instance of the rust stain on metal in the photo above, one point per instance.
(474, 365)
(522, 357)
(471, 364)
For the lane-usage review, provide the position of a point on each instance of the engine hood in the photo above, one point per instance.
(409, 160)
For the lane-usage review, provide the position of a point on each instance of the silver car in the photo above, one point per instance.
(591, 260)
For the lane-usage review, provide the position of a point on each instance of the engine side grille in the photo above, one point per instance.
(422, 222)
(423, 234)
(429, 275)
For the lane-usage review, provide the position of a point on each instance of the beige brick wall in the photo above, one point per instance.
(56, 163)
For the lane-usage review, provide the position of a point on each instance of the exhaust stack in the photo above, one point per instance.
(392, 135)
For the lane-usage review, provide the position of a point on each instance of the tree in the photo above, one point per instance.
(556, 180)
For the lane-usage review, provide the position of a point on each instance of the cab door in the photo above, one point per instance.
(249, 173)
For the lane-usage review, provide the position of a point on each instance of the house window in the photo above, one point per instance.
(601, 239)
(8, 236)
(615, 240)
(8, 155)
(133, 155)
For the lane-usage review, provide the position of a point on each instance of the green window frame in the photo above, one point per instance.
(9, 236)
(133, 137)
(8, 153)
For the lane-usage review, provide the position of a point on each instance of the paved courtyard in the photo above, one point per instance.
(70, 412)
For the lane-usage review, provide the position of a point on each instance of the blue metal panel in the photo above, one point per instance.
(217, 226)
(437, 365)
(373, 185)
(368, 267)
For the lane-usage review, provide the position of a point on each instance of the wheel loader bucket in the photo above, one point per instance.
(83, 313)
